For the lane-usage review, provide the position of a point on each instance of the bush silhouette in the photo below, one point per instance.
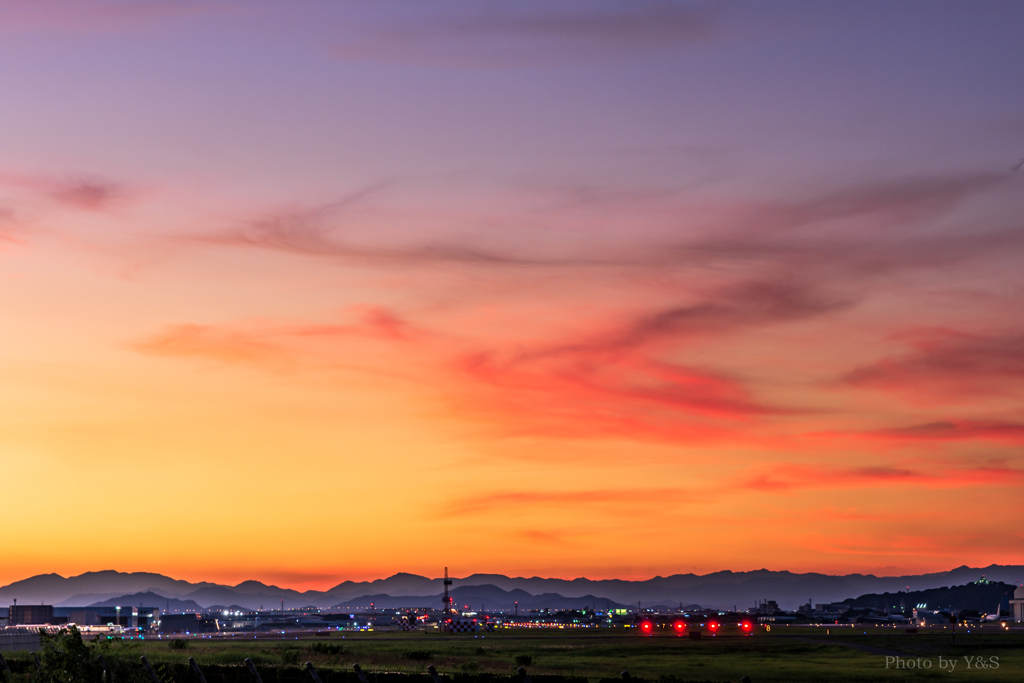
(418, 655)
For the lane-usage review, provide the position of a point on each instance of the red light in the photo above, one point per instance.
(679, 626)
(713, 626)
(746, 626)
(646, 627)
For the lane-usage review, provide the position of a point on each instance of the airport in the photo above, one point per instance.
(474, 645)
(142, 621)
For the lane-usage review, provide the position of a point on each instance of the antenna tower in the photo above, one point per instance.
(447, 600)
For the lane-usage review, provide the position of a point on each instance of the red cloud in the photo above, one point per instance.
(612, 384)
(263, 343)
(609, 382)
(589, 395)
(946, 367)
(954, 430)
(622, 383)
(790, 477)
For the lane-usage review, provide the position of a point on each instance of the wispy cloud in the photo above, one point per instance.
(788, 477)
(641, 22)
(743, 305)
(328, 231)
(853, 231)
(628, 380)
(270, 344)
(529, 34)
(998, 431)
(210, 342)
(742, 269)
(86, 194)
(104, 16)
(948, 367)
(372, 321)
(77, 192)
(873, 206)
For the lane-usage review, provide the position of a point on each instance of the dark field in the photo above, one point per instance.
(552, 656)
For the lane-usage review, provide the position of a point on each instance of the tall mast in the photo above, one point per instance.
(447, 599)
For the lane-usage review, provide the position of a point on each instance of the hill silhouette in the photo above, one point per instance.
(978, 597)
(723, 589)
(151, 599)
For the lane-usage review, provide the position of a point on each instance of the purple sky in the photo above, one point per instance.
(547, 258)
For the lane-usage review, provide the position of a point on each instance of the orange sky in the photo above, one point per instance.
(331, 292)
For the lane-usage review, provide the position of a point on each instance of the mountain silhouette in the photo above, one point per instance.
(722, 589)
(151, 599)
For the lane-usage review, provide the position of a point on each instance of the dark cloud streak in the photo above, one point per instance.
(789, 477)
(92, 195)
(954, 430)
(948, 367)
(812, 234)
(642, 22)
(530, 35)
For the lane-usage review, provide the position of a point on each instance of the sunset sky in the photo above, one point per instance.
(323, 290)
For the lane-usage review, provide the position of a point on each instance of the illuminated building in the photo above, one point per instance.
(1017, 604)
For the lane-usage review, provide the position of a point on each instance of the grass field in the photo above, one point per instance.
(785, 654)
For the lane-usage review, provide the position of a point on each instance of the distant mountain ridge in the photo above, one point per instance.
(480, 597)
(93, 587)
(718, 589)
(150, 599)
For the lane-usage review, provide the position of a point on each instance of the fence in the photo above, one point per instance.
(9, 642)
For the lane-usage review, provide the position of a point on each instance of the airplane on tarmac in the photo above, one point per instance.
(993, 617)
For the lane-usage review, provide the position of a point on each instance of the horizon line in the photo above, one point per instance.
(524, 578)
